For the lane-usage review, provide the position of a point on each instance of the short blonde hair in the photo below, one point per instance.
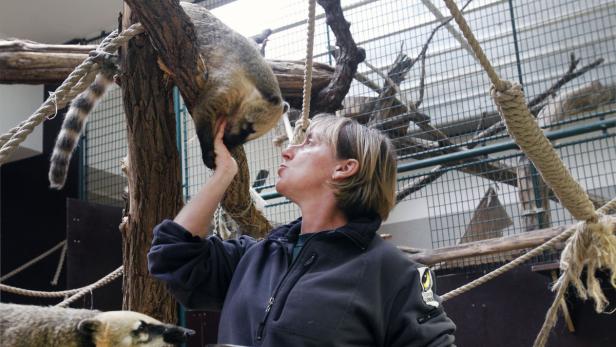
(372, 189)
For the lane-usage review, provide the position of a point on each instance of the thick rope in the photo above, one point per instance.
(32, 261)
(302, 123)
(551, 316)
(468, 34)
(62, 293)
(593, 245)
(88, 289)
(523, 128)
(550, 244)
(74, 84)
(56, 276)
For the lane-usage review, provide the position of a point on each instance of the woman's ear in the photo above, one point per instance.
(345, 169)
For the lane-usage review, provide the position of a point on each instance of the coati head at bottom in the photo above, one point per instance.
(127, 328)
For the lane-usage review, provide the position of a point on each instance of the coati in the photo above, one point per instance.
(240, 85)
(28, 325)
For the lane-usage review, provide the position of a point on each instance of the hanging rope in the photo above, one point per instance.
(32, 261)
(472, 41)
(593, 245)
(75, 83)
(56, 276)
(299, 132)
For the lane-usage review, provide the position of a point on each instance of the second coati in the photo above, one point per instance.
(240, 86)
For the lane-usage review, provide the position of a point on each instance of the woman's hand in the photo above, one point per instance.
(197, 215)
(225, 163)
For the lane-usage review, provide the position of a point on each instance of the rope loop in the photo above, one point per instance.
(299, 132)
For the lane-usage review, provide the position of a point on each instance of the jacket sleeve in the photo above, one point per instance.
(197, 271)
(416, 315)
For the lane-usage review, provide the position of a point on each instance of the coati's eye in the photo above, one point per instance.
(141, 332)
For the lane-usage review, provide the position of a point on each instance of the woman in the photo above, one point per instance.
(324, 279)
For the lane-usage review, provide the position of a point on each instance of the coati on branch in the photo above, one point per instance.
(240, 85)
(29, 325)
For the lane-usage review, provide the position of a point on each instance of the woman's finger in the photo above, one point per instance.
(221, 123)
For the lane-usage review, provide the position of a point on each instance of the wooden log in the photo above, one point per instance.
(485, 247)
(26, 62)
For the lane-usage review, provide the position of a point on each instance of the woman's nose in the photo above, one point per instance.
(289, 152)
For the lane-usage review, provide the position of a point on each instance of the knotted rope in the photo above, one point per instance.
(299, 132)
(593, 245)
(75, 83)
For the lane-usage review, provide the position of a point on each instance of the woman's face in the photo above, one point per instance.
(306, 168)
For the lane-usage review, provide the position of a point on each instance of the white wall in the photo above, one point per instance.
(17, 103)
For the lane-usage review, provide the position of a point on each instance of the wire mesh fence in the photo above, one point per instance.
(421, 86)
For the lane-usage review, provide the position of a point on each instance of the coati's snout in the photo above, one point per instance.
(175, 334)
(255, 123)
(238, 134)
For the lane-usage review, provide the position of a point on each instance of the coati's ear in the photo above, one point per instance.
(88, 326)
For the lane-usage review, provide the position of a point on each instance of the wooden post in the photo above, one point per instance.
(534, 196)
(153, 170)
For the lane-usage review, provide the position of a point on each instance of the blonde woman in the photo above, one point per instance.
(325, 279)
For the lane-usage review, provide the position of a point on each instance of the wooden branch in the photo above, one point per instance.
(290, 75)
(568, 76)
(7, 46)
(485, 247)
(238, 204)
(424, 49)
(26, 62)
(330, 98)
(37, 68)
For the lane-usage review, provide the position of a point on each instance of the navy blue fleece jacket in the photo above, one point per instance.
(346, 287)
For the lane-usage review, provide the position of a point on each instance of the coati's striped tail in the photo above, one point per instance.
(73, 125)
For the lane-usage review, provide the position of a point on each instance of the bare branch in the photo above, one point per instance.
(330, 98)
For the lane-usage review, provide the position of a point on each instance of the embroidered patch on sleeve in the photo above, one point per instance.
(427, 283)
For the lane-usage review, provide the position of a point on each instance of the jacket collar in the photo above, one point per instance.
(360, 231)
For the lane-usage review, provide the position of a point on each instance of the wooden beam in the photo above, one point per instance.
(26, 62)
(485, 247)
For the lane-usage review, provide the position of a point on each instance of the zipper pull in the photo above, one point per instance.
(270, 302)
(260, 331)
(310, 260)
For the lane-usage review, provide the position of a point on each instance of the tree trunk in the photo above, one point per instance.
(153, 172)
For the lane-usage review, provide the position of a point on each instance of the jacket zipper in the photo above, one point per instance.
(272, 299)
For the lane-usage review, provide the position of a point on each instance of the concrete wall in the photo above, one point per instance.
(17, 104)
